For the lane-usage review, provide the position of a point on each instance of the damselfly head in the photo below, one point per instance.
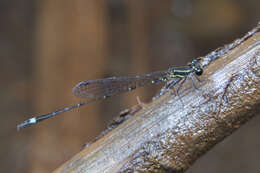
(196, 67)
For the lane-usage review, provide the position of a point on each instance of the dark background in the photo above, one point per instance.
(48, 46)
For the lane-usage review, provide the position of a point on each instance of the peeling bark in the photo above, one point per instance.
(169, 136)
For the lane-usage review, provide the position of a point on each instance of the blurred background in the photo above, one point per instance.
(48, 46)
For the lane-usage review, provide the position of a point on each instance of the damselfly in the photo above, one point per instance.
(107, 87)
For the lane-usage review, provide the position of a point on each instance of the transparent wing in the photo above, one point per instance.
(102, 88)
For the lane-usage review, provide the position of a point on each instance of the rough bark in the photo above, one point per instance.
(172, 132)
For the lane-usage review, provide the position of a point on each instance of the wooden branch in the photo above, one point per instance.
(171, 133)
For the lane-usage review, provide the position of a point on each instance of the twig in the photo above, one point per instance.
(167, 136)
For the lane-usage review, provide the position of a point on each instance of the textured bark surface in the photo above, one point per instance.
(171, 133)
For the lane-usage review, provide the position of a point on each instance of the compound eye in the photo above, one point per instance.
(199, 71)
(193, 62)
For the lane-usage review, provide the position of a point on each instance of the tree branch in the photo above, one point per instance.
(169, 136)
